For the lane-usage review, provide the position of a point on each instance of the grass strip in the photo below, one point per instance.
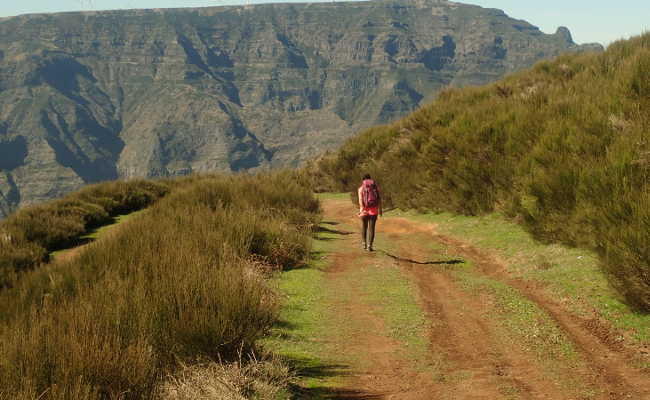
(569, 273)
(300, 335)
(96, 233)
(394, 296)
(521, 322)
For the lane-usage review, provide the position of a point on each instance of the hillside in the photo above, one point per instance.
(184, 281)
(562, 148)
(86, 97)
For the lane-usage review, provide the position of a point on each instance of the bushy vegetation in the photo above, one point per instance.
(28, 236)
(184, 281)
(563, 147)
(241, 380)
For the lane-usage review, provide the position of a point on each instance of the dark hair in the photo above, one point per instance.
(366, 176)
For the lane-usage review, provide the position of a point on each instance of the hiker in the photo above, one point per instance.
(369, 209)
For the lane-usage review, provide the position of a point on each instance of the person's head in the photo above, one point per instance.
(366, 176)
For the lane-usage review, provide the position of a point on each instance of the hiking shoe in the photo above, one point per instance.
(365, 247)
(370, 248)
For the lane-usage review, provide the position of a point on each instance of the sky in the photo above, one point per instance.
(589, 20)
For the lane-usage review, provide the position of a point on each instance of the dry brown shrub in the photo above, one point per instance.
(241, 380)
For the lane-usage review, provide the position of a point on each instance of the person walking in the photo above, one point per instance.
(369, 209)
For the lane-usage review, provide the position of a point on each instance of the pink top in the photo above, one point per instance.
(367, 210)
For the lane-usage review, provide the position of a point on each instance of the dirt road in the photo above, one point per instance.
(488, 335)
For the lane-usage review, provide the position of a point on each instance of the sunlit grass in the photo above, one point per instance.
(98, 232)
(394, 298)
(301, 334)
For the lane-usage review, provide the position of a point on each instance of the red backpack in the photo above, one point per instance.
(369, 193)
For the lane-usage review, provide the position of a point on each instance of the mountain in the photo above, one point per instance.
(86, 97)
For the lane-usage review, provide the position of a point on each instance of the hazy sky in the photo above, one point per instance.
(589, 20)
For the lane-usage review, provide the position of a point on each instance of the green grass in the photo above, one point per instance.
(301, 334)
(119, 219)
(96, 233)
(522, 323)
(522, 317)
(570, 273)
(388, 289)
(394, 296)
(333, 196)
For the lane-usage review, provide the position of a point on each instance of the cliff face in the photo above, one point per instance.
(86, 97)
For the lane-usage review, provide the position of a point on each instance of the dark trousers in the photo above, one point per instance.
(368, 223)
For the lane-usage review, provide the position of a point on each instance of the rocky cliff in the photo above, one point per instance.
(86, 97)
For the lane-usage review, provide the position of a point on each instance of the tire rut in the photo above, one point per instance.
(611, 363)
(463, 327)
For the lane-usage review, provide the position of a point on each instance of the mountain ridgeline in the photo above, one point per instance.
(564, 148)
(87, 97)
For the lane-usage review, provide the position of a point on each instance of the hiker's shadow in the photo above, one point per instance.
(320, 230)
(333, 223)
(435, 262)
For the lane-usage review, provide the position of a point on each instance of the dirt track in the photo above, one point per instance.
(473, 359)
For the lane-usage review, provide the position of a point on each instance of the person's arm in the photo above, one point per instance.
(359, 196)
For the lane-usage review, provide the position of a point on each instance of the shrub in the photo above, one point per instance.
(252, 379)
(178, 283)
(33, 232)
